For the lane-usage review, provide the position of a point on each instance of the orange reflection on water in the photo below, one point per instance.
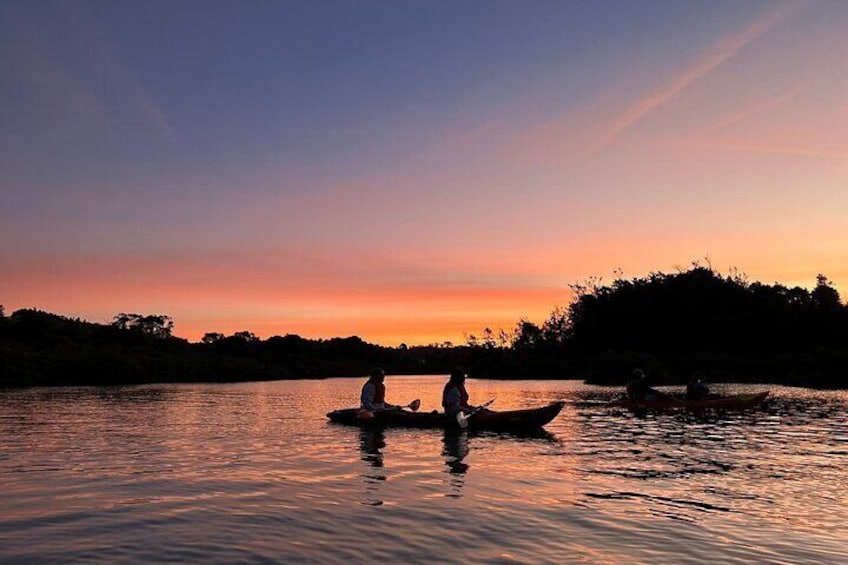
(256, 468)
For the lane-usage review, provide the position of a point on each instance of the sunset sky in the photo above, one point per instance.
(410, 171)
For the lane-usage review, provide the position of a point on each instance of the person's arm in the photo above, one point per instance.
(366, 400)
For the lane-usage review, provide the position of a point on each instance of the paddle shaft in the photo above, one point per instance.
(462, 418)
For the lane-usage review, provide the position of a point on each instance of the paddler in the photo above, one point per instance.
(454, 395)
(638, 389)
(373, 395)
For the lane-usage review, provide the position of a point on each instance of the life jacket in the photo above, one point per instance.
(379, 393)
(463, 394)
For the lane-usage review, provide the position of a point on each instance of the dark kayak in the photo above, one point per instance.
(510, 420)
(734, 402)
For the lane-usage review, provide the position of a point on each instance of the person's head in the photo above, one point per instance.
(378, 374)
(457, 376)
(638, 374)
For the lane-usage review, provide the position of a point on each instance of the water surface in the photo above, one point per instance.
(253, 472)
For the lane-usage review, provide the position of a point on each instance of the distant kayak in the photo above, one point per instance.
(509, 420)
(733, 402)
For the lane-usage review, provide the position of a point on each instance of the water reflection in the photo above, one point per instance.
(684, 464)
(371, 443)
(254, 473)
(454, 451)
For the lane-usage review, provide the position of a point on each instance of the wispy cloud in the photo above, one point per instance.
(576, 135)
(833, 150)
(74, 103)
(68, 108)
(123, 81)
(716, 55)
(760, 107)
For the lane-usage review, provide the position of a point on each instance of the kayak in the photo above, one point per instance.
(531, 418)
(733, 402)
(509, 420)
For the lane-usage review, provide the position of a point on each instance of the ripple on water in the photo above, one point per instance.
(252, 472)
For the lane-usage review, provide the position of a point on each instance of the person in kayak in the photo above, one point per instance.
(697, 390)
(639, 390)
(373, 395)
(454, 395)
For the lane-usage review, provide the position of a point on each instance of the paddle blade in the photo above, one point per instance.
(462, 417)
(415, 405)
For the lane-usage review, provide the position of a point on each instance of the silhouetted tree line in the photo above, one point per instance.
(38, 348)
(693, 321)
(722, 327)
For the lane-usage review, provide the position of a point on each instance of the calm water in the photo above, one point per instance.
(254, 473)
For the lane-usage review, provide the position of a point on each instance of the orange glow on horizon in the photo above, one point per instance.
(400, 310)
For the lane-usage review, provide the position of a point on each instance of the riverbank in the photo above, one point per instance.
(42, 349)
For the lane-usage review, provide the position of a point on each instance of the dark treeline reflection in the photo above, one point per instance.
(696, 321)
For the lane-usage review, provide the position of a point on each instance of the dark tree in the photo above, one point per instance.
(210, 338)
(155, 325)
(824, 296)
(247, 336)
(527, 335)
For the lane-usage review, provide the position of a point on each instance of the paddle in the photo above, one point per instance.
(367, 414)
(462, 417)
(414, 405)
